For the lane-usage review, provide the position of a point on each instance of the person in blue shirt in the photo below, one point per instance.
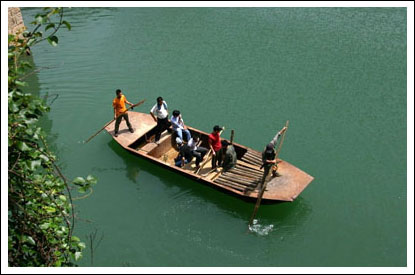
(179, 127)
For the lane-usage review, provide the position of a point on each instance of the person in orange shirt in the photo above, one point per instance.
(120, 111)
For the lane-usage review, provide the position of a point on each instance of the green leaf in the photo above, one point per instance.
(13, 107)
(22, 146)
(79, 181)
(34, 164)
(31, 241)
(44, 226)
(68, 26)
(75, 239)
(82, 189)
(39, 19)
(51, 25)
(50, 209)
(11, 37)
(21, 83)
(81, 245)
(44, 158)
(62, 197)
(53, 40)
(91, 179)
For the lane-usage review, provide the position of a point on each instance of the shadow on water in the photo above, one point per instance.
(289, 213)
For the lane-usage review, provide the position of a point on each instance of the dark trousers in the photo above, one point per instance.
(162, 124)
(199, 153)
(118, 121)
(217, 158)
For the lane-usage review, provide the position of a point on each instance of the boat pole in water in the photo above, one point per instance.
(132, 106)
(263, 183)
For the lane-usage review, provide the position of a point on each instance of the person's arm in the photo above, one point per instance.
(155, 119)
(115, 116)
(277, 136)
(182, 123)
(211, 147)
(128, 102)
(175, 122)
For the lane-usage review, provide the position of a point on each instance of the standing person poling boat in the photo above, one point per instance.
(120, 111)
(268, 155)
(160, 113)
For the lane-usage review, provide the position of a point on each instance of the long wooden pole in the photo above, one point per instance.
(260, 194)
(263, 183)
(132, 106)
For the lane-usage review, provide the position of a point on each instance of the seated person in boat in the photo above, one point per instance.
(178, 126)
(269, 160)
(229, 155)
(185, 154)
(160, 113)
(197, 151)
(120, 111)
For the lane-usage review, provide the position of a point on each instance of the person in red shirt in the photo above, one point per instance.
(216, 146)
(120, 111)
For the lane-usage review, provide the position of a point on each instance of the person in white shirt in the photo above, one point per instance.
(178, 126)
(197, 151)
(160, 113)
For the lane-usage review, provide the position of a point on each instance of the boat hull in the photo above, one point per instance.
(241, 181)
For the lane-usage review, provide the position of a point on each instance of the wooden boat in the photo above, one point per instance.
(242, 180)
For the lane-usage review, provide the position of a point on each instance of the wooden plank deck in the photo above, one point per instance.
(141, 123)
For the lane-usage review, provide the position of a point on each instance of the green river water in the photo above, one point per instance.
(337, 74)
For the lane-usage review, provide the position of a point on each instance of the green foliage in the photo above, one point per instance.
(40, 216)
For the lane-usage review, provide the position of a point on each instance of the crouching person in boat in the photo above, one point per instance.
(197, 151)
(229, 156)
(269, 161)
(120, 111)
(185, 154)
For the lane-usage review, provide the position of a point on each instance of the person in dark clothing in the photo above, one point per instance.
(229, 155)
(268, 155)
(185, 154)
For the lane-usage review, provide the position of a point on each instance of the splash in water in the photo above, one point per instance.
(259, 229)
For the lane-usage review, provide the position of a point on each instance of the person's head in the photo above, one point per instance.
(118, 93)
(225, 143)
(196, 137)
(217, 129)
(176, 113)
(159, 100)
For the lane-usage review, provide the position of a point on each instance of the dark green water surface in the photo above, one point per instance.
(337, 74)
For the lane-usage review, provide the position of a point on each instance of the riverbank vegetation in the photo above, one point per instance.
(40, 211)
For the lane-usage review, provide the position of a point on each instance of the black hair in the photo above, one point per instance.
(118, 91)
(159, 98)
(196, 136)
(176, 112)
(225, 143)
